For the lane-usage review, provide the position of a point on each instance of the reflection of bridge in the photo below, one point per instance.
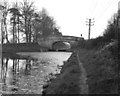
(51, 41)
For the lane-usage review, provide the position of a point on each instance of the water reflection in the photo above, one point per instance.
(12, 71)
(27, 74)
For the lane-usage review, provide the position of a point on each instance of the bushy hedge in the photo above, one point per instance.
(110, 35)
(92, 43)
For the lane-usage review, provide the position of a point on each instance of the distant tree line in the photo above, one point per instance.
(22, 23)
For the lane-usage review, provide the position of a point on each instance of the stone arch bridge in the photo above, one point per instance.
(50, 41)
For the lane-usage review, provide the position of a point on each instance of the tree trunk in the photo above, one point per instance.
(2, 37)
(13, 33)
(29, 33)
(5, 29)
(26, 29)
(18, 31)
(6, 34)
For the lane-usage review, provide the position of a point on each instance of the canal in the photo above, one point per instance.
(28, 72)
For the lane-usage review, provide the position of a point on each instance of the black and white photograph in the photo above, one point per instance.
(59, 47)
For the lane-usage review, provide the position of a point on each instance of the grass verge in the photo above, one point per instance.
(102, 71)
(68, 81)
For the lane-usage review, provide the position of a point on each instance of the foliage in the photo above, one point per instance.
(111, 34)
(92, 43)
(44, 25)
(112, 31)
(15, 21)
(24, 20)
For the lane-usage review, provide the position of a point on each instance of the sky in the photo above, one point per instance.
(71, 15)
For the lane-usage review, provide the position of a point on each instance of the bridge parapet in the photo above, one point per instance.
(61, 38)
(50, 40)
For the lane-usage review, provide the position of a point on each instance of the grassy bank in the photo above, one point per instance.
(68, 81)
(102, 71)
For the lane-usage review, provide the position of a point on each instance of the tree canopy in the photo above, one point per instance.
(25, 23)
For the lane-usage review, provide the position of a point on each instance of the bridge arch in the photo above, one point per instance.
(52, 42)
(61, 45)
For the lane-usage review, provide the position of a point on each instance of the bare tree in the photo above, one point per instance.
(27, 12)
(4, 32)
(15, 20)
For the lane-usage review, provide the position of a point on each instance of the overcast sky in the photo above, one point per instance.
(70, 15)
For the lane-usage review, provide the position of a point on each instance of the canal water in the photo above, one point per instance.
(28, 72)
